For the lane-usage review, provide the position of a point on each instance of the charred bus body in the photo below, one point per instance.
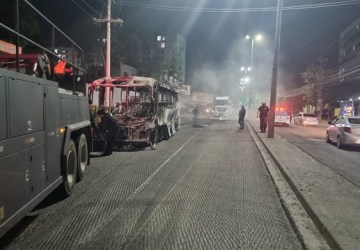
(145, 109)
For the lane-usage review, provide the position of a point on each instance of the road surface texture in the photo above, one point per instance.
(205, 188)
(312, 140)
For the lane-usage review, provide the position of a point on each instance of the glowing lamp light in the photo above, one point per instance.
(258, 37)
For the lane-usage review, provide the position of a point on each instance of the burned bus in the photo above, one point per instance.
(145, 109)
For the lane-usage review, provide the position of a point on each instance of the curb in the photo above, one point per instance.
(298, 211)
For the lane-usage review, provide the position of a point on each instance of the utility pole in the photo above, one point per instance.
(108, 21)
(320, 79)
(17, 24)
(275, 70)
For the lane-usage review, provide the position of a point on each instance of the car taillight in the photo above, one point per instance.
(347, 129)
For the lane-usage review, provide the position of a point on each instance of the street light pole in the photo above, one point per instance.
(275, 70)
(252, 52)
(108, 53)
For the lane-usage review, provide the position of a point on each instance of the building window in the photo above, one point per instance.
(158, 38)
(354, 47)
(162, 45)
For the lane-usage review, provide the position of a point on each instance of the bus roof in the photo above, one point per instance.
(129, 81)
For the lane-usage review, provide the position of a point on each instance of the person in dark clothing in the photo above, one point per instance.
(110, 128)
(242, 113)
(263, 111)
(195, 113)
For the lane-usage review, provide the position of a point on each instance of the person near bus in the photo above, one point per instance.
(196, 112)
(242, 113)
(110, 129)
(263, 112)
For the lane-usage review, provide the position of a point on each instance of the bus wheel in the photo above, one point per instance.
(70, 168)
(154, 138)
(82, 156)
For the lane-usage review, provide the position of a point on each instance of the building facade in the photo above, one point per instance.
(349, 66)
(165, 54)
(349, 52)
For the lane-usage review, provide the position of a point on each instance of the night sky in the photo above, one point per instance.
(215, 41)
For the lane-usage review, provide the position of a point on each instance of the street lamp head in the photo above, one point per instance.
(258, 37)
(249, 68)
(242, 68)
(247, 37)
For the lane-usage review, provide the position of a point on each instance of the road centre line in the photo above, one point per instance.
(109, 218)
(148, 180)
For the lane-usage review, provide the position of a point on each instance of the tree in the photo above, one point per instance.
(310, 80)
(28, 22)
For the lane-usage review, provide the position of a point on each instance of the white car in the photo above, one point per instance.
(345, 130)
(304, 119)
(282, 118)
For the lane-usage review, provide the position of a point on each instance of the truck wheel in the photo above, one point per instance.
(82, 156)
(70, 169)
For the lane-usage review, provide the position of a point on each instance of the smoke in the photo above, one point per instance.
(223, 78)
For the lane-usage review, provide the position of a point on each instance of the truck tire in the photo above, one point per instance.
(82, 156)
(69, 169)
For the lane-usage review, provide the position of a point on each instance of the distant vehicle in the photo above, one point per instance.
(344, 130)
(223, 108)
(282, 118)
(306, 119)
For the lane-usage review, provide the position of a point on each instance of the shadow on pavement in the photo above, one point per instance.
(14, 232)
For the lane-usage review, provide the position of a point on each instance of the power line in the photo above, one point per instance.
(87, 13)
(334, 76)
(233, 10)
(90, 7)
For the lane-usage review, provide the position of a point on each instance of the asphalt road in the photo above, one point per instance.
(312, 140)
(205, 188)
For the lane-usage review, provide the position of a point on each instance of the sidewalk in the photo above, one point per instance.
(332, 202)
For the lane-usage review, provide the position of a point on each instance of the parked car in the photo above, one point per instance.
(344, 130)
(282, 118)
(305, 119)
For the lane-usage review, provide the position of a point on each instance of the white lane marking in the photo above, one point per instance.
(315, 139)
(147, 181)
(97, 229)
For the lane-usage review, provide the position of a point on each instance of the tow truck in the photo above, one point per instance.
(45, 135)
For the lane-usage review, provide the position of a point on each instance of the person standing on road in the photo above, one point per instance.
(195, 112)
(263, 111)
(242, 113)
(110, 128)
